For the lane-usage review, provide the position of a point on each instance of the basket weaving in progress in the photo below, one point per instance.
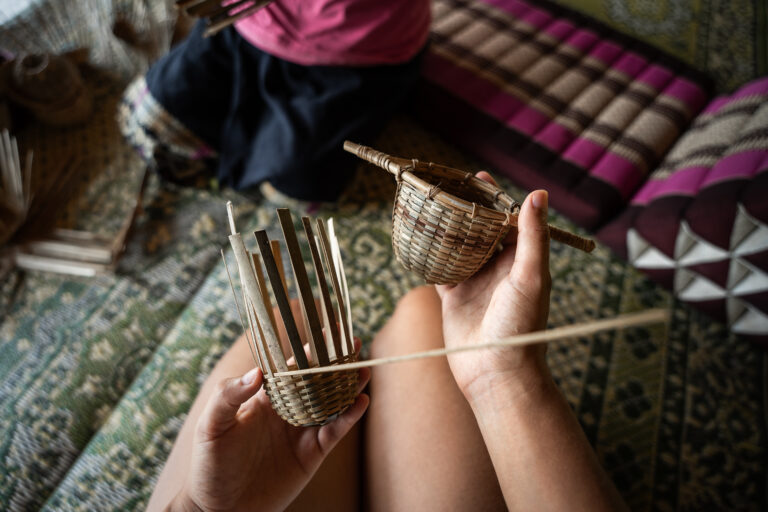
(447, 223)
(299, 400)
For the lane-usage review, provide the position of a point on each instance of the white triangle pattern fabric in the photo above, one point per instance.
(699, 250)
(749, 320)
(748, 236)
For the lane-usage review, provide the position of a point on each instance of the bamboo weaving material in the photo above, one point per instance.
(447, 223)
(220, 13)
(651, 316)
(300, 400)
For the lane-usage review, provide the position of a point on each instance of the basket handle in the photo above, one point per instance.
(391, 164)
(397, 165)
(564, 237)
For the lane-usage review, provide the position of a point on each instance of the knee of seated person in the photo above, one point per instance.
(418, 301)
(416, 324)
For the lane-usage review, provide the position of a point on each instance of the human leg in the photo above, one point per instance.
(423, 448)
(174, 114)
(306, 113)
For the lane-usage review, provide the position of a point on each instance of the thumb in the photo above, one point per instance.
(221, 411)
(530, 270)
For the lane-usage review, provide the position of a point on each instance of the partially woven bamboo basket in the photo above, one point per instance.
(309, 399)
(446, 223)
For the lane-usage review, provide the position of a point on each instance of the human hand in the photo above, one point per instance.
(510, 295)
(244, 453)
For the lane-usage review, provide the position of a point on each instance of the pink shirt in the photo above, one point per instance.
(339, 32)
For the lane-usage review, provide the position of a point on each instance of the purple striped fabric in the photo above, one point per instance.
(715, 130)
(583, 113)
(700, 224)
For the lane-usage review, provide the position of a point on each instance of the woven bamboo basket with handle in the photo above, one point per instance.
(446, 223)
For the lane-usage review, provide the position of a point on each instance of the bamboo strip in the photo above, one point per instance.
(184, 4)
(254, 348)
(651, 316)
(328, 254)
(315, 332)
(278, 255)
(329, 319)
(256, 359)
(262, 349)
(263, 287)
(223, 23)
(283, 303)
(248, 281)
(342, 276)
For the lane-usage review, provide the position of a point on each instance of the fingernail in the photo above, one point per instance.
(540, 199)
(249, 377)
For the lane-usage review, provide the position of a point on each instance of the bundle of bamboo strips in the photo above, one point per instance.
(301, 401)
(15, 198)
(220, 13)
(28, 208)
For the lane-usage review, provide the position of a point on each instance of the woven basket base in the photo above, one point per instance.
(316, 399)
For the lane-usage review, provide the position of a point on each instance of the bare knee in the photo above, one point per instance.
(416, 324)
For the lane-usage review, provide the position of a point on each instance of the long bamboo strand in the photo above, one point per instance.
(651, 316)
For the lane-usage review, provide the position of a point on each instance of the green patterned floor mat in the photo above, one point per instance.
(675, 413)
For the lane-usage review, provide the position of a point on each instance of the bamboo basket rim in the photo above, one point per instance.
(406, 170)
(474, 208)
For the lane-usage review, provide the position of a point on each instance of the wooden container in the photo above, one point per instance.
(447, 223)
(301, 400)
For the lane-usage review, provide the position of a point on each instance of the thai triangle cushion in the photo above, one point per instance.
(699, 225)
(555, 100)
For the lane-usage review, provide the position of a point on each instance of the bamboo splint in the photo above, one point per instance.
(220, 13)
(446, 222)
(647, 317)
(303, 400)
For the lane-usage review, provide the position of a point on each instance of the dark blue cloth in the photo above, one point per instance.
(274, 120)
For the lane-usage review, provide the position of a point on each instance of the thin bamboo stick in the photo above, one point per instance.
(651, 316)
(239, 313)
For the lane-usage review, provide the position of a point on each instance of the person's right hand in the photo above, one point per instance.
(509, 296)
(244, 453)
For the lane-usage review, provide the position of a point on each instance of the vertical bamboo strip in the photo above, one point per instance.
(342, 276)
(315, 332)
(281, 297)
(328, 254)
(248, 280)
(278, 255)
(239, 312)
(332, 329)
(263, 287)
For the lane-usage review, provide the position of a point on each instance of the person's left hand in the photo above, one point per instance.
(244, 453)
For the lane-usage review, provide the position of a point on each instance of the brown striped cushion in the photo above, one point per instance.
(554, 100)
